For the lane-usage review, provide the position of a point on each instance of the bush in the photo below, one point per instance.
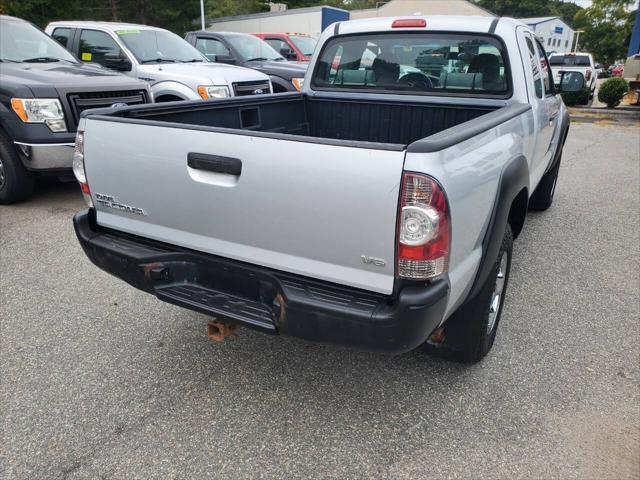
(575, 98)
(612, 90)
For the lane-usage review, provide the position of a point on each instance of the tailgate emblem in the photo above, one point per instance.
(108, 201)
(378, 262)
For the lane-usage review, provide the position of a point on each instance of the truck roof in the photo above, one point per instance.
(104, 25)
(451, 23)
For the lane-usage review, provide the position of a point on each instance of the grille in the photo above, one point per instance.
(249, 88)
(84, 101)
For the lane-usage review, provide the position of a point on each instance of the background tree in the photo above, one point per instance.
(607, 26)
(532, 8)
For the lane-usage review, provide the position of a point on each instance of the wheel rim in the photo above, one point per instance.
(498, 289)
(2, 174)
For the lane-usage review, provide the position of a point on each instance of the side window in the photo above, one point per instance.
(94, 45)
(277, 44)
(535, 67)
(61, 35)
(211, 47)
(546, 71)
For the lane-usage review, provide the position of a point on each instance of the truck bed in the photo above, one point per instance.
(383, 122)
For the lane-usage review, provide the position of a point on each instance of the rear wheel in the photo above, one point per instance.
(470, 332)
(542, 198)
(16, 182)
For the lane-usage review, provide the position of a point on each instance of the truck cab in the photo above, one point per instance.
(174, 69)
(292, 46)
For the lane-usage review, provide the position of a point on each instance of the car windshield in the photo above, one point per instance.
(20, 41)
(305, 44)
(569, 60)
(414, 63)
(250, 48)
(156, 46)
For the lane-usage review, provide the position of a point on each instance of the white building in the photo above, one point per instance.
(555, 35)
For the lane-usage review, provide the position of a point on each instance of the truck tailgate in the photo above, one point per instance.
(312, 209)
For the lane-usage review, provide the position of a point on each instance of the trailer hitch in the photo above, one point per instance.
(218, 331)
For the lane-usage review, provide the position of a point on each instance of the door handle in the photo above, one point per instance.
(214, 163)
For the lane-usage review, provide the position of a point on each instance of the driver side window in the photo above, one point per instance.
(547, 77)
(94, 45)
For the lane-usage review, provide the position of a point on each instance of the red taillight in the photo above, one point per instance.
(85, 188)
(409, 23)
(587, 75)
(424, 228)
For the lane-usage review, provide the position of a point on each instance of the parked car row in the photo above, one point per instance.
(45, 84)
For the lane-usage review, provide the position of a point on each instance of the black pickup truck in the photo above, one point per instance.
(251, 52)
(43, 91)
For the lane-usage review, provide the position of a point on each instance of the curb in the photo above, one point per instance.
(605, 115)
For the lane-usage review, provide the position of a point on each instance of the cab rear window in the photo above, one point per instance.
(570, 60)
(415, 63)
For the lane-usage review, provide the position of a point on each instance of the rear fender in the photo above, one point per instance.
(513, 179)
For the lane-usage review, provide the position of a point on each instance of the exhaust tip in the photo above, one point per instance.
(219, 331)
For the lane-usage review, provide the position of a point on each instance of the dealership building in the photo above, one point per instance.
(313, 20)
(554, 34)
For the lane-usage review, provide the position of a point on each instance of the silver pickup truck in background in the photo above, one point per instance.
(174, 69)
(376, 208)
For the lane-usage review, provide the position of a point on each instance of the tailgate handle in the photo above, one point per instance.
(214, 163)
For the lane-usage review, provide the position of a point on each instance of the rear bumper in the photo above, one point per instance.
(268, 300)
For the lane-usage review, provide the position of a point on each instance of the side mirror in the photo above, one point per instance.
(225, 59)
(571, 82)
(117, 62)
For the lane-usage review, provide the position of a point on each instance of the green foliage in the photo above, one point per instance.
(532, 8)
(612, 90)
(607, 26)
(575, 98)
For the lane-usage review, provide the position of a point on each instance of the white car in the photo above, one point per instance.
(174, 69)
(574, 62)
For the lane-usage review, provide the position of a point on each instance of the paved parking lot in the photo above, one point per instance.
(99, 380)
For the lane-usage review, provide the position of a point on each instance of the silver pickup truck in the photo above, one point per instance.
(376, 208)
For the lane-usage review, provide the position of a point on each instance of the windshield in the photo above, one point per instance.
(151, 46)
(305, 44)
(20, 41)
(414, 63)
(250, 47)
(570, 60)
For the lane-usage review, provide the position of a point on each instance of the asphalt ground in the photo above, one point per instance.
(99, 380)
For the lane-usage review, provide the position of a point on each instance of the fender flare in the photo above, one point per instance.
(176, 89)
(513, 179)
(564, 131)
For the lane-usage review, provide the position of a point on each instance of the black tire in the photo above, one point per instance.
(542, 198)
(470, 332)
(16, 182)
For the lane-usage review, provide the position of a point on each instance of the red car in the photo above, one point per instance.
(292, 46)
(617, 70)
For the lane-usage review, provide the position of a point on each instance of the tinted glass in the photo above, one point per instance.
(20, 41)
(544, 68)
(277, 44)
(416, 63)
(211, 47)
(94, 45)
(61, 35)
(152, 46)
(250, 47)
(570, 60)
(305, 44)
(535, 67)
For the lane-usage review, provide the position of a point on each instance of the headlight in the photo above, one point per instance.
(298, 83)
(213, 91)
(40, 110)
